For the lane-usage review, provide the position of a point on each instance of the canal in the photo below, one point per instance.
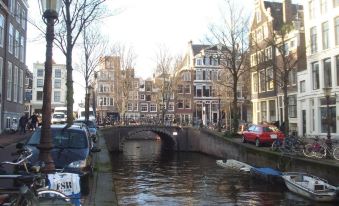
(145, 175)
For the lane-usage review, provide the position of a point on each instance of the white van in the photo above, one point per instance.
(81, 113)
(61, 110)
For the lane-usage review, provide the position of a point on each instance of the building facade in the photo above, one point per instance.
(13, 35)
(107, 90)
(58, 86)
(322, 38)
(276, 55)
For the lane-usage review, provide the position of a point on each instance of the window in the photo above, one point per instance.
(40, 72)
(18, 12)
(199, 91)
(255, 82)
(187, 104)
(180, 89)
(180, 104)
(148, 97)
(22, 49)
(198, 62)
(198, 75)
(10, 38)
(292, 77)
(171, 106)
(40, 83)
(9, 82)
(323, 6)
(129, 106)
(313, 33)
(135, 107)
(144, 107)
(263, 111)
(325, 34)
(57, 83)
(302, 86)
(271, 105)
(262, 81)
(292, 106)
(39, 95)
(11, 6)
(315, 75)
(327, 73)
(2, 30)
(15, 84)
(23, 19)
(142, 96)
(57, 73)
(323, 115)
(311, 9)
(153, 107)
(336, 30)
(270, 82)
(56, 96)
(21, 85)
(17, 44)
(187, 89)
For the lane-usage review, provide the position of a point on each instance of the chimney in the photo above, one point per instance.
(287, 11)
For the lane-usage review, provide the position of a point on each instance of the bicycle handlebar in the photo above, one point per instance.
(25, 154)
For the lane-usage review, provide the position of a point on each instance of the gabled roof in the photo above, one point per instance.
(198, 47)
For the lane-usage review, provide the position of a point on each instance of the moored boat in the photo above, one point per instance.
(267, 174)
(310, 186)
(234, 164)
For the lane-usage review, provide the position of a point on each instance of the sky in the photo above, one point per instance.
(144, 25)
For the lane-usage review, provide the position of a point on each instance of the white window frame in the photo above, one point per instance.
(21, 85)
(10, 38)
(2, 30)
(9, 81)
(17, 44)
(143, 106)
(57, 96)
(153, 107)
(15, 84)
(22, 49)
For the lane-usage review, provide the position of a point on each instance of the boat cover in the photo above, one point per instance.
(268, 171)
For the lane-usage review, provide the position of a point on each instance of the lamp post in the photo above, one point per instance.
(219, 114)
(50, 9)
(327, 92)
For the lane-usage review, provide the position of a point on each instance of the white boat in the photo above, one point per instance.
(310, 186)
(234, 164)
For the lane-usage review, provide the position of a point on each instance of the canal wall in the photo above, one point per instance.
(213, 143)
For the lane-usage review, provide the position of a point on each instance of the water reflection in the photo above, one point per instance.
(145, 175)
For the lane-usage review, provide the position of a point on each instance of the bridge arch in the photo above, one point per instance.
(165, 133)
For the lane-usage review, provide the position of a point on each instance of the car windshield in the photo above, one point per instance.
(68, 138)
(270, 129)
(89, 124)
(58, 116)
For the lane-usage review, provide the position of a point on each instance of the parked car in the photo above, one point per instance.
(262, 134)
(92, 127)
(58, 118)
(71, 151)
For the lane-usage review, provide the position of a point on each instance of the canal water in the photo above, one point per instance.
(145, 175)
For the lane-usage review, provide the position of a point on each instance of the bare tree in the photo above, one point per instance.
(127, 58)
(93, 47)
(232, 41)
(167, 64)
(76, 15)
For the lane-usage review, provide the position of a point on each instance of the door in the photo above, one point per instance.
(303, 123)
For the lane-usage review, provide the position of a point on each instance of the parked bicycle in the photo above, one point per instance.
(291, 145)
(319, 149)
(32, 188)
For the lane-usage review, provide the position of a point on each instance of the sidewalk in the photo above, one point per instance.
(7, 139)
(102, 191)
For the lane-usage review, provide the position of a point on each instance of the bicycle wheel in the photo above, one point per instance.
(336, 153)
(52, 197)
(308, 150)
(320, 152)
(24, 201)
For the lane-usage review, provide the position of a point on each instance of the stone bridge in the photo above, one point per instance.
(171, 136)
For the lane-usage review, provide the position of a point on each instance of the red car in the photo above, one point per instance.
(262, 134)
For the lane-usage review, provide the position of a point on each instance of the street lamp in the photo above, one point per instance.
(50, 9)
(327, 92)
(219, 114)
